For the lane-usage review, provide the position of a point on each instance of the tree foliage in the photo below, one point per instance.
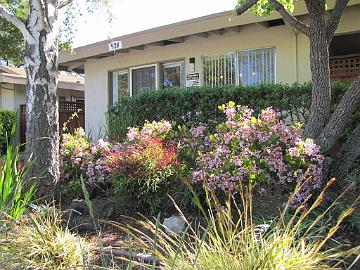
(12, 45)
(11, 41)
(264, 7)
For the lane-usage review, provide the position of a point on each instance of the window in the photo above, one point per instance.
(62, 98)
(220, 69)
(143, 79)
(240, 68)
(256, 66)
(173, 74)
(120, 85)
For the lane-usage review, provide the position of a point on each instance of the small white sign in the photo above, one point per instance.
(193, 79)
(115, 45)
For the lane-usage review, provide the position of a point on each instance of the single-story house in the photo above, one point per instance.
(213, 50)
(13, 87)
(70, 94)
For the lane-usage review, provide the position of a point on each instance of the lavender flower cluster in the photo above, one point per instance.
(249, 149)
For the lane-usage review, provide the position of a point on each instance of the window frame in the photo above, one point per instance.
(111, 83)
(140, 67)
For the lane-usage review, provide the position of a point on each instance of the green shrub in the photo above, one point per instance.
(194, 105)
(7, 121)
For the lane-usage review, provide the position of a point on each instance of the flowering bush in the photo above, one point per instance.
(141, 170)
(74, 153)
(249, 149)
(135, 168)
(159, 129)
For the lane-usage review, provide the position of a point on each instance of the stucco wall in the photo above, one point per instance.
(7, 96)
(292, 59)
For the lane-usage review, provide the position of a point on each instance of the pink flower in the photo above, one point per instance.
(197, 131)
(294, 152)
(310, 147)
(230, 112)
(132, 133)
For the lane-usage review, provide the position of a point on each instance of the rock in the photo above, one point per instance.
(174, 224)
(77, 216)
(102, 208)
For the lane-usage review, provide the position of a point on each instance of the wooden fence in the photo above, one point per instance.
(66, 110)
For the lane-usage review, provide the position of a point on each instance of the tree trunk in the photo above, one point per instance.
(320, 72)
(346, 158)
(42, 133)
(340, 119)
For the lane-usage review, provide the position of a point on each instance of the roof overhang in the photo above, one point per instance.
(215, 24)
(20, 80)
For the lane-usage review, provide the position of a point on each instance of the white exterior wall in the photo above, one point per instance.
(255, 36)
(292, 59)
(7, 96)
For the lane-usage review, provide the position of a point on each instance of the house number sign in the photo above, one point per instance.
(115, 45)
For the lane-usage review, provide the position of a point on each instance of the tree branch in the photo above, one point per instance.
(294, 22)
(245, 7)
(335, 18)
(14, 20)
(64, 3)
(345, 160)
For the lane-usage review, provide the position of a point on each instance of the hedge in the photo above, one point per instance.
(7, 120)
(200, 104)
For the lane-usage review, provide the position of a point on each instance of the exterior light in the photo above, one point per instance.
(192, 64)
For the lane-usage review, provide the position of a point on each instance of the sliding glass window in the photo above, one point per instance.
(143, 79)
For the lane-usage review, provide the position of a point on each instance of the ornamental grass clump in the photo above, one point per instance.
(254, 149)
(229, 238)
(39, 241)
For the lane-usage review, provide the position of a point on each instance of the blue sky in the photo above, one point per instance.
(131, 16)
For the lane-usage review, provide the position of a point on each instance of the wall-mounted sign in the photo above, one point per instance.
(193, 79)
(115, 45)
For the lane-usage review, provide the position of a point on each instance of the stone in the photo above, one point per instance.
(78, 216)
(174, 224)
(102, 208)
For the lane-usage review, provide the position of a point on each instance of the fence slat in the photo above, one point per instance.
(66, 110)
